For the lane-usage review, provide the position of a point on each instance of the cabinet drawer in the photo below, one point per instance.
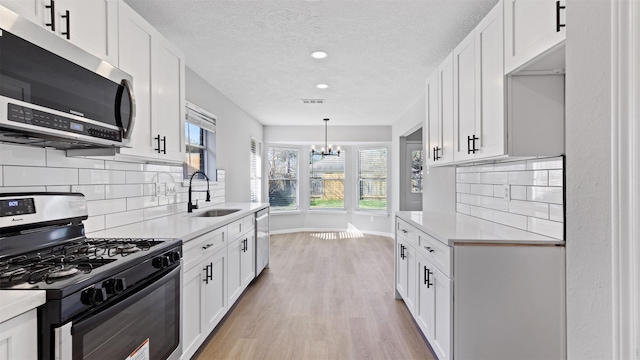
(236, 229)
(248, 222)
(203, 246)
(436, 252)
(407, 232)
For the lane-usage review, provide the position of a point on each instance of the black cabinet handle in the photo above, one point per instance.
(207, 246)
(468, 144)
(429, 249)
(157, 138)
(67, 17)
(427, 277)
(404, 231)
(473, 139)
(558, 8)
(437, 152)
(164, 144)
(206, 274)
(52, 10)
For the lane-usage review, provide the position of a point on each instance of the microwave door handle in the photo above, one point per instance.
(132, 108)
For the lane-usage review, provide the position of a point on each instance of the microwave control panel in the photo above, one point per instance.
(34, 117)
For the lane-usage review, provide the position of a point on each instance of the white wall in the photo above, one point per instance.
(233, 131)
(588, 185)
(349, 138)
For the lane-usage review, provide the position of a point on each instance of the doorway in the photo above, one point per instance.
(411, 180)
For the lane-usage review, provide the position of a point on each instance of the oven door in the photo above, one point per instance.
(146, 320)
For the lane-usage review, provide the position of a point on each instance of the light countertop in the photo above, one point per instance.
(182, 226)
(456, 228)
(17, 302)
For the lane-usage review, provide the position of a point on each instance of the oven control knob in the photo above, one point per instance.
(93, 296)
(114, 286)
(175, 256)
(161, 262)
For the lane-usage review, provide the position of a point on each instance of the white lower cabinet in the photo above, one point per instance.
(234, 281)
(483, 301)
(241, 260)
(19, 336)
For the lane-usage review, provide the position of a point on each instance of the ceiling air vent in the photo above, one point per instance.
(313, 101)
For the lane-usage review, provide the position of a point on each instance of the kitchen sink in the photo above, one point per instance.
(217, 213)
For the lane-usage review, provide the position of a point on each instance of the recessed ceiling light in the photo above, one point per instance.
(319, 54)
(322, 86)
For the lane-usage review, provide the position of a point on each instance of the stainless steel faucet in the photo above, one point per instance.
(190, 206)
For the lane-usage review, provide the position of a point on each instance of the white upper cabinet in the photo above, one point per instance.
(90, 24)
(532, 27)
(464, 93)
(439, 111)
(432, 121)
(158, 74)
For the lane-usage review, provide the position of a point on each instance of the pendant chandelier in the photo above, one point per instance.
(327, 150)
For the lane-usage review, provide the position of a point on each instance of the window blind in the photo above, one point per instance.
(256, 170)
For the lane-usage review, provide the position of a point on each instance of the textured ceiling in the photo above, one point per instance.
(257, 52)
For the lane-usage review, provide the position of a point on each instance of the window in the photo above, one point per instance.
(256, 170)
(416, 171)
(326, 181)
(372, 179)
(283, 178)
(200, 142)
(196, 150)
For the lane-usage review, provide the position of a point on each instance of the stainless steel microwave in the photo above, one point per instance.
(54, 94)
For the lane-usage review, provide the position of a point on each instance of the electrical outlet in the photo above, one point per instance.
(160, 189)
(506, 192)
(75, 188)
(171, 188)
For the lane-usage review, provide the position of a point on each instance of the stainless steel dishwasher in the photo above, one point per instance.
(262, 240)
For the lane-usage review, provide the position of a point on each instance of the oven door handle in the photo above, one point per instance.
(100, 317)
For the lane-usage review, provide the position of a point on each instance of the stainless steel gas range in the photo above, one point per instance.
(106, 298)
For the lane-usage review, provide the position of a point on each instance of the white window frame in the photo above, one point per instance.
(356, 185)
(275, 209)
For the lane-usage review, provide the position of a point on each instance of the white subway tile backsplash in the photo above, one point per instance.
(1, 176)
(540, 178)
(114, 165)
(471, 199)
(513, 220)
(21, 189)
(93, 192)
(29, 176)
(463, 188)
(123, 218)
(158, 168)
(553, 195)
(123, 191)
(158, 211)
(94, 223)
(176, 169)
(535, 209)
(495, 203)
(471, 178)
(22, 155)
(536, 194)
(59, 188)
(518, 192)
(58, 158)
(463, 208)
(142, 202)
(135, 177)
(556, 212)
(477, 189)
(93, 177)
(546, 227)
(556, 178)
(101, 207)
(545, 164)
(495, 178)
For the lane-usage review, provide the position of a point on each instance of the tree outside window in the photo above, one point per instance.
(283, 178)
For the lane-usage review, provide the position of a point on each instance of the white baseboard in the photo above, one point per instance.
(289, 231)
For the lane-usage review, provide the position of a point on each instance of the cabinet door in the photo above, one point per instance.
(93, 26)
(412, 279)
(32, 10)
(401, 269)
(248, 259)
(425, 302)
(19, 336)
(432, 121)
(464, 93)
(445, 108)
(489, 97)
(169, 94)
(194, 327)
(215, 290)
(135, 55)
(234, 280)
(441, 342)
(531, 28)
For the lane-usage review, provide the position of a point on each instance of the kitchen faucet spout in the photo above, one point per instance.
(190, 205)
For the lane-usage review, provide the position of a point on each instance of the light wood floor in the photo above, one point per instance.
(323, 297)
